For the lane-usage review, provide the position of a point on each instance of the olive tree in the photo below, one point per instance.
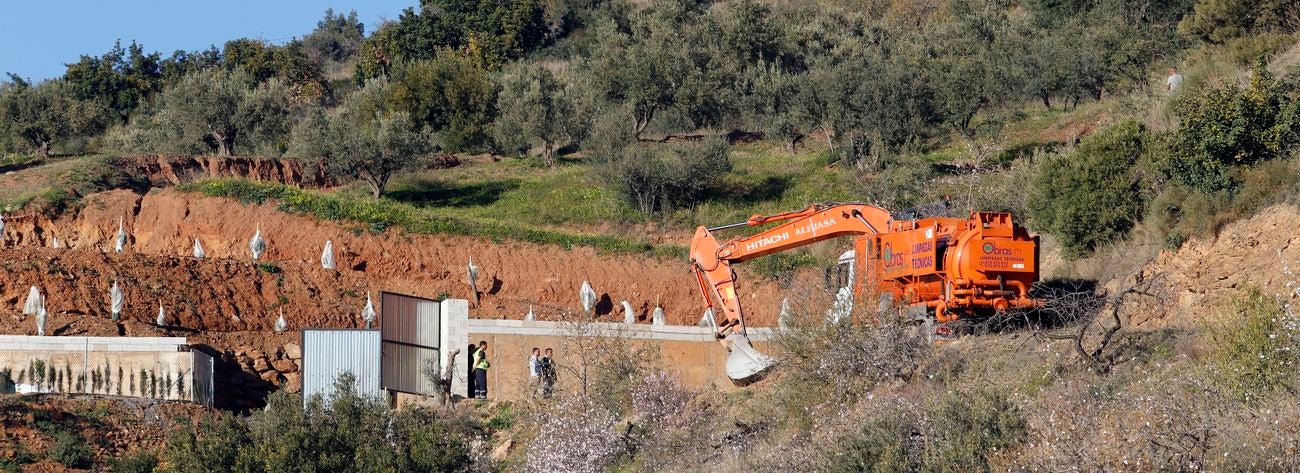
(221, 108)
(363, 138)
(534, 107)
(44, 113)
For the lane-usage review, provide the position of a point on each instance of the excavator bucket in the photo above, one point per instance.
(745, 364)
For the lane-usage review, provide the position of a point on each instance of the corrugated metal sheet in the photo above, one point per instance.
(404, 368)
(409, 320)
(328, 353)
(201, 389)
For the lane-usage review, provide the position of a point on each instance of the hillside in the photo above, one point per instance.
(1151, 154)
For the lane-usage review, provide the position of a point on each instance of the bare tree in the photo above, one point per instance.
(1098, 309)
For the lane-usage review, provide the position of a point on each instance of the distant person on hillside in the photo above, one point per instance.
(481, 365)
(534, 371)
(546, 368)
(1174, 81)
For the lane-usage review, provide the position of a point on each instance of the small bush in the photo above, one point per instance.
(138, 462)
(882, 445)
(70, 450)
(970, 426)
(1093, 195)
(848, 359)
(575, 435)
(1255, 346)
(667, 177)
(502, 419)
(1226, 126)
(958, 432)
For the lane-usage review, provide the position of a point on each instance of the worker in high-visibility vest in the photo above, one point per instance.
(481, 365)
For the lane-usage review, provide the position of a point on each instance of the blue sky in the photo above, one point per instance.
(38, 37)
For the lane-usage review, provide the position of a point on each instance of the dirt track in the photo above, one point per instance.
(227, 292)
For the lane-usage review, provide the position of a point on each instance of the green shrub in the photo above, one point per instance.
(1225, 126)
(1180, 212)
(1254, 346)
(268, 267)
(70, 450)
(345, 433)
(665, 177)
(970, 426)
(957, 433)
(138, 462)
(1092, 195)
(502, 419)
(882, 445)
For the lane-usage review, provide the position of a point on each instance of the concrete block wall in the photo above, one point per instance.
(455, 336)
(118, 359)
(690, 352)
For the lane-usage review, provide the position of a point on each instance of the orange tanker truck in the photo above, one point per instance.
(941, 269)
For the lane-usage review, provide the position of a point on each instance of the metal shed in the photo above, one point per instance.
(327, 353)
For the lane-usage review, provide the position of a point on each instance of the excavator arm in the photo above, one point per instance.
(711, 262)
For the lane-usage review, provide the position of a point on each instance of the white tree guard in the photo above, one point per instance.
(587, 296)
(629, 315)
(657, 317)
(2, 227)
(162, 316)
(35, 302)
(843, 306)
(786, 317)
(327, 255)
(708, 321)
(198, 249)
(115, 300)
(119, 243)
(473, 271)
(368, 313)
(280, 324)
(257, 245)
(40, 322)
(530, 317)
(54, 243)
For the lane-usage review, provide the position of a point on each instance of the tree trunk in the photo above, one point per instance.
(225, 143)
(793, 141)
(376, 189)
(642, 121)
(43, 150)
(548, 153)
(1047, 99)
(830, 140)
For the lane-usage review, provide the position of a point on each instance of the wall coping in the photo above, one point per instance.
(606, 329)
(100, 344)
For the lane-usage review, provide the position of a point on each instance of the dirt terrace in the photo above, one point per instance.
(228, 292)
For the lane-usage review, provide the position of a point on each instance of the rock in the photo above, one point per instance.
(292, 383)
(293, 351)
(260, 365)
(273, 378)
(502, 451)
(284, 366)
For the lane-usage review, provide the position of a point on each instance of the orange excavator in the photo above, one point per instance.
(942, 269)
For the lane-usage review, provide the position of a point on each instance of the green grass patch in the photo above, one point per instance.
(382, 214)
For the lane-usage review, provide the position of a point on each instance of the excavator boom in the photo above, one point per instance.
(947, 267)
(711, 262)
